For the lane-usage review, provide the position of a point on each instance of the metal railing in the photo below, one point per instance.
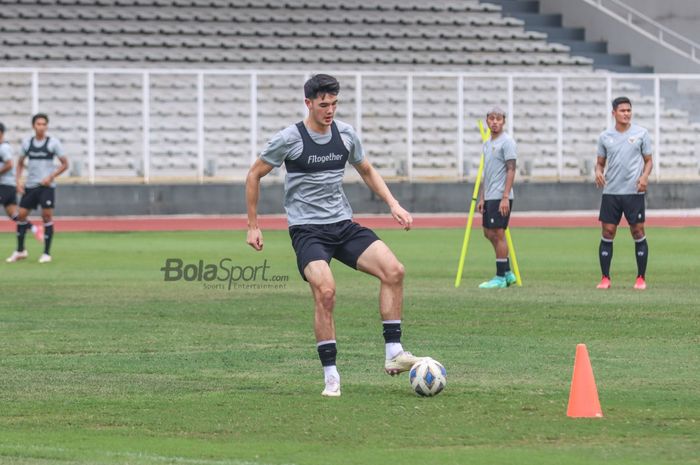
(512, 90)
(648, 27)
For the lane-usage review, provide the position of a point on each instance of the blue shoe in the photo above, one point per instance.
(510, 278)
(497, 282)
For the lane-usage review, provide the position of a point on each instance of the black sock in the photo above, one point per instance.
(507, 264)
(15, 218)
(327, 353)
(605, 253)
(501, 266)
(392, 332)
(21, 231)
(641, 249)
(48, 235)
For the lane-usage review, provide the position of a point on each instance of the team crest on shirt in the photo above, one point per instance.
(632, 140)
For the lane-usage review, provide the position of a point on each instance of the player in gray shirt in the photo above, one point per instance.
(622, 170)
(315, 152)
(41, 152)
(496, 195)
(8, 189)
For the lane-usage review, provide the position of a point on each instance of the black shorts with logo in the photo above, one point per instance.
(612, 206)
(492, 218)
(40, 195)
(345, 241)
(8, 195)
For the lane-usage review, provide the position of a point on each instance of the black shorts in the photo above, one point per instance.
(613, 206)
(35, 196)
(492, 218)
(344, 241)
(8, 195)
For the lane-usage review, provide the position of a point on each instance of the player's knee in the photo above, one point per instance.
(637, 233)
(325, 297)
(609, 234)
(46, 217)
(395, 273)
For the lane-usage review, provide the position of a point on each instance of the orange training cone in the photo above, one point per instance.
(583, 398)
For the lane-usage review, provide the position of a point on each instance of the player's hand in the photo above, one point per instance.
(402, 216)
(480, 206)
(642, 184)
(20, 187)
(600, 180)
(504, 207)
(255, 238)
(46, 182)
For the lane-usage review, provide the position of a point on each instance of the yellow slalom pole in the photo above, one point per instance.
(472, 207)
(513, 260)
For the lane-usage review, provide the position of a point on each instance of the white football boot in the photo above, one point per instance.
(17, 256)
(332, 387)
(45, 258)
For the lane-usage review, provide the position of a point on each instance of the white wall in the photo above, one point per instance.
(621, 38)
(682, 16)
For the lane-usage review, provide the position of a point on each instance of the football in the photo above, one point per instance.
(428, 377)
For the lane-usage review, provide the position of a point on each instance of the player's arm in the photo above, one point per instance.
(504, 207)
(252, 193)
(480, 196)
(646, 171)
(600, 171)
(377, 185)
(18, 174)
(61, 168)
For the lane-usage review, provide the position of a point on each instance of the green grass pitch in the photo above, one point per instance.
(103, 362)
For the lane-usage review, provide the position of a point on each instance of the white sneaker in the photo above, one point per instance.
(17, 256)
(332, 387)
(45, 258)
(400, 363)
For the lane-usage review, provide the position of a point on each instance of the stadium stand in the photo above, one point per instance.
(281, 38)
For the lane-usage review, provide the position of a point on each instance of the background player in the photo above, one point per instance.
(315, 152)
(626, 150)
(41, 151)
(8, 189)
(496, 195)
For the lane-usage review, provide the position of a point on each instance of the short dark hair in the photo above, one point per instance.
(2, 128)
(39, 116)
(321, 84)
(619, 101)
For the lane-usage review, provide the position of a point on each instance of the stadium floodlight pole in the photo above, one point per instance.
(472, 207)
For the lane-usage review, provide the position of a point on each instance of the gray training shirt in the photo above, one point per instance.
(624, 152)
(7, 178)
(496, 152)
(314, 197)
(41, 158)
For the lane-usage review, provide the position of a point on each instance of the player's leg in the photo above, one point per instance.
(494, 225)
(314, 250)
(379, 261)
(635, 215)
(13, 213)
(47, 217)
(322, 284)
(22, 225)
(609, 217)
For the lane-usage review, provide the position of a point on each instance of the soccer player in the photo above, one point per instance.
(626, 151)
(41, 151)
(496, 195)
(8, 193)
(315, 152)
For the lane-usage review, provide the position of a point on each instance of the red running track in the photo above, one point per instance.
(239, 222)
